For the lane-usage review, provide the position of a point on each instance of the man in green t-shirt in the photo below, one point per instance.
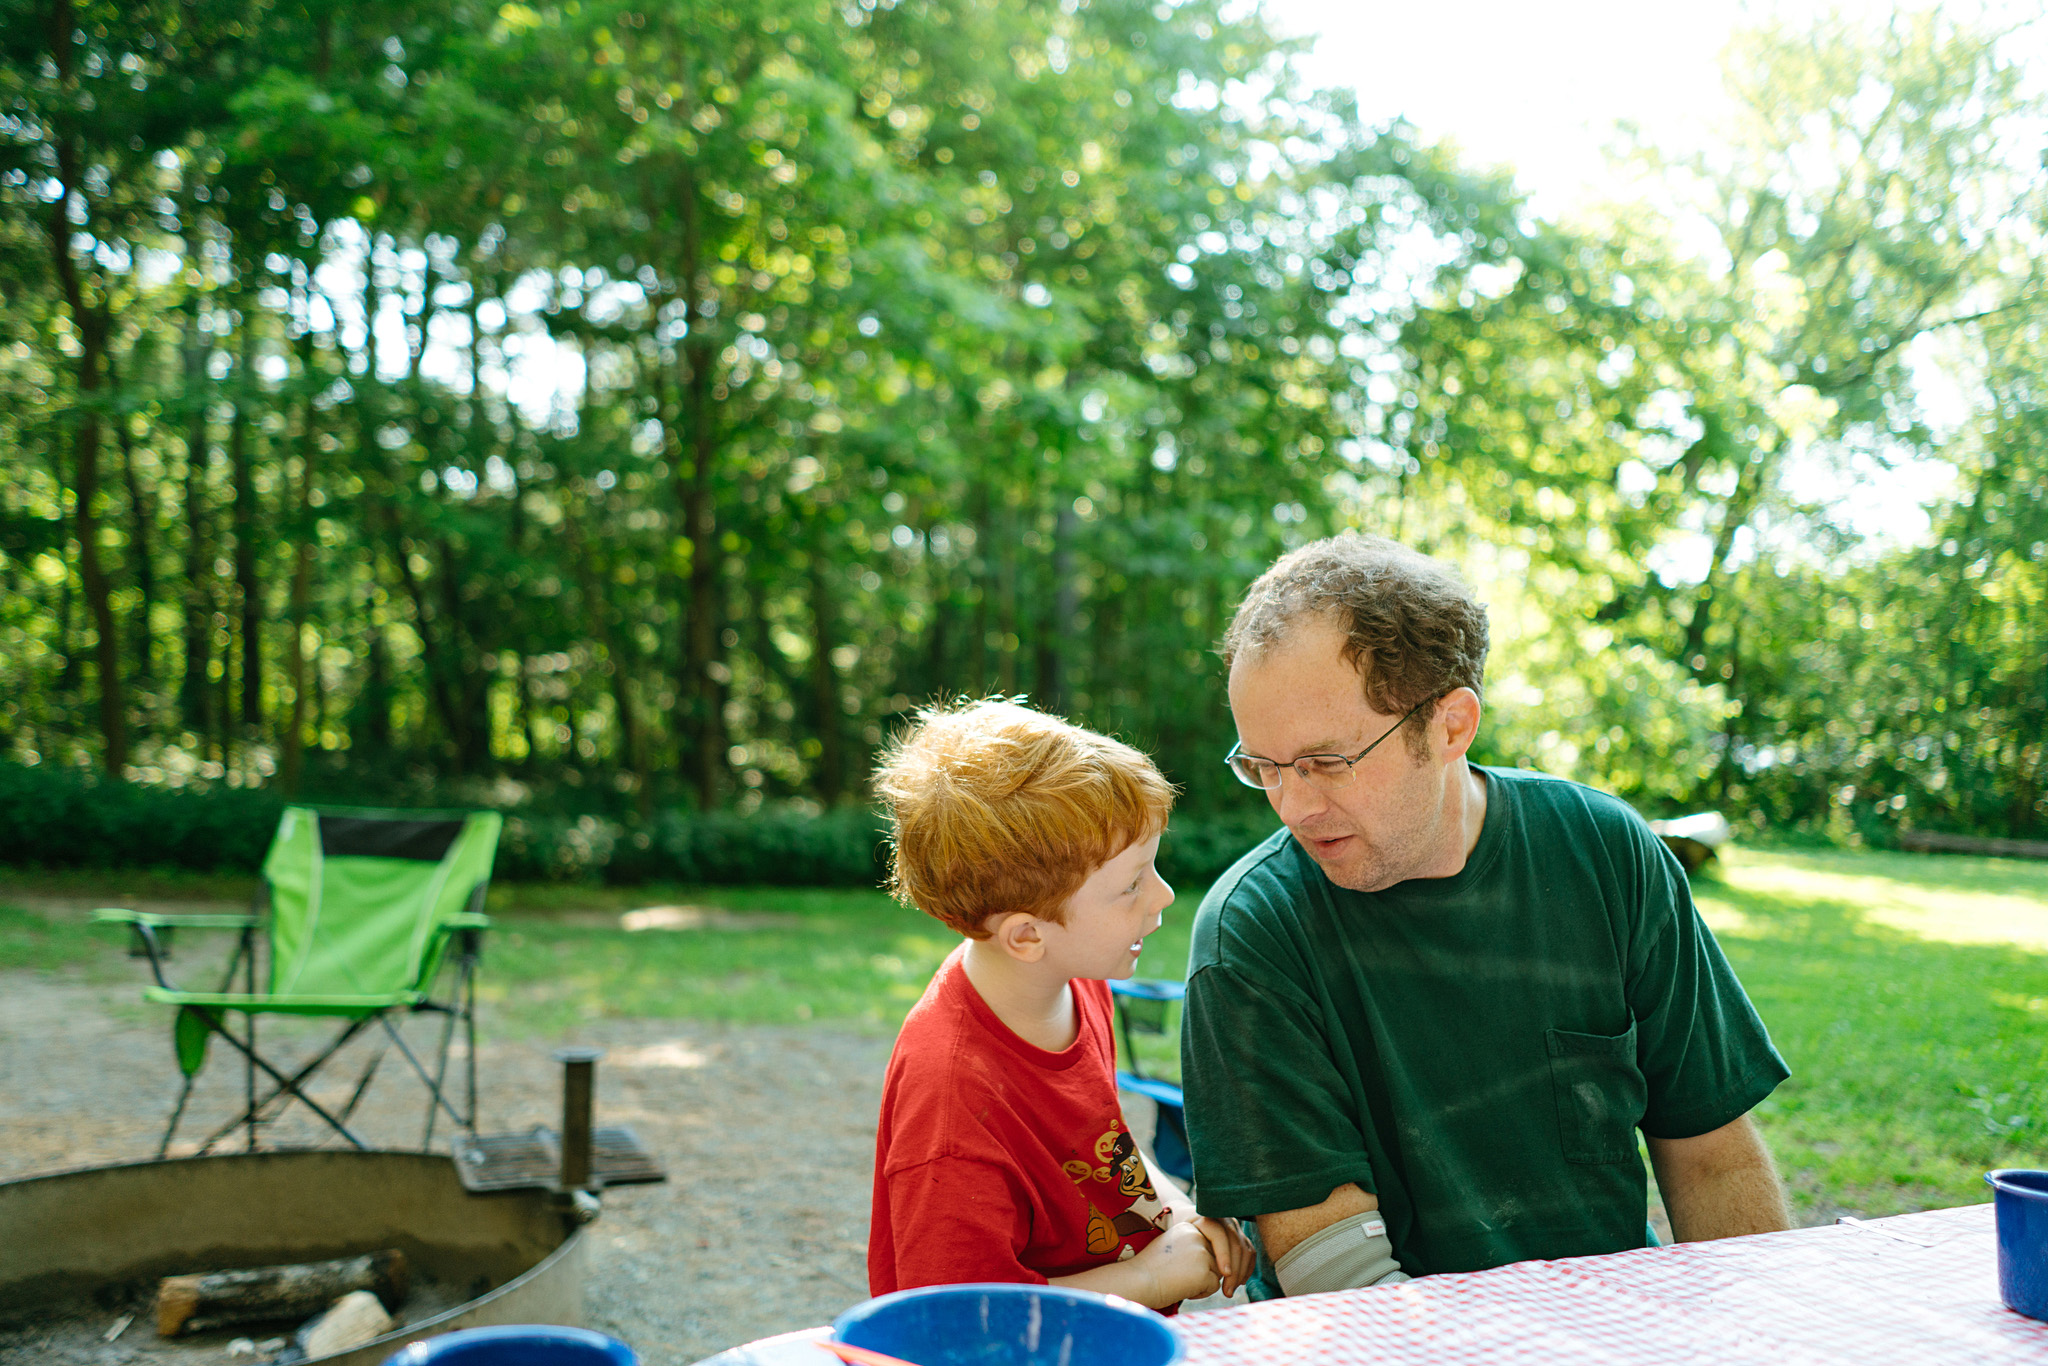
(1425, 1021)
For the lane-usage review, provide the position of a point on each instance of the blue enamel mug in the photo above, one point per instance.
(2020, 1203)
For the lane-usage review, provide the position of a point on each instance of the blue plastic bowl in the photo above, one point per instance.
(2021, 1201)
(1009, 1325)
(517, 1344)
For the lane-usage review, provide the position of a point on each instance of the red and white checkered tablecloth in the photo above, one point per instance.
(1913, 1288)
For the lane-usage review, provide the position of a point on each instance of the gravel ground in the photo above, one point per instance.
(767, 1134)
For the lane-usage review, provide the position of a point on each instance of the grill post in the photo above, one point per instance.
(579, 1070)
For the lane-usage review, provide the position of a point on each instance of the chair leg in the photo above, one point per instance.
(434, 1087)
(419, 1070)
(249, 1069)
(177, 1113)
(469, 1031)
(288, 1087)
(249, 1082)
(356, 1096)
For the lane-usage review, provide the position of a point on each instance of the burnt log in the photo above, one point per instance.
(216, 1299)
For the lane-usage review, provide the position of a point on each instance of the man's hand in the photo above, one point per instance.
(1720, 1184)
(1281, 1232)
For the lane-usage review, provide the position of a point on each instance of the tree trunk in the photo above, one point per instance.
(431, 654)
(194, 701)
(142, 536)
(530, 711)
(73, 670)
(90, 323)
(462, 651)
(703, 690)
(605, 620)
(982, 581)
(377, 683)
(829, 716)
(303, 536)
(1006, 606)
(1735, 514)
(1058, 634)
(248, 588)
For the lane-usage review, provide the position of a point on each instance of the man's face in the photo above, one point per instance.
(1388, 823)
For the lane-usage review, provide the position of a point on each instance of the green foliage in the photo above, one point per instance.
(649, 408)
(54, 819)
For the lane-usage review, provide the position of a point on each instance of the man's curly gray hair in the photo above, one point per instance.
(1411, 626)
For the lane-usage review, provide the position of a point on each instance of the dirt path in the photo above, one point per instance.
(767, 1134)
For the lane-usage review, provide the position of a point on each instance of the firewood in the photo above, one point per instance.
(214, 1299)
(355, 1319)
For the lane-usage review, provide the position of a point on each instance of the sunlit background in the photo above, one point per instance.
(624, 415)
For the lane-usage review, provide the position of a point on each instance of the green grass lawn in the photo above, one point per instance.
(850, 956)
(1908, 992)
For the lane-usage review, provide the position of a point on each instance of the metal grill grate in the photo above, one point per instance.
(497, 1162)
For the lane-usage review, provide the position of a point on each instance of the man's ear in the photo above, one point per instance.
(1018, 935)
(1457, 721)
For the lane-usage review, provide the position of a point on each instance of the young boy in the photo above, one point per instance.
(1002, 1153)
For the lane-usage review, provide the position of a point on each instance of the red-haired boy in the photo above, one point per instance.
(1002, 1153)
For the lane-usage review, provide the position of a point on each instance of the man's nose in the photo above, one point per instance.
(1296, 798)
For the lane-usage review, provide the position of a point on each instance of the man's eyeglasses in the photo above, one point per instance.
(1324, 770)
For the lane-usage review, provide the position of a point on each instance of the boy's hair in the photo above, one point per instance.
(996, 807)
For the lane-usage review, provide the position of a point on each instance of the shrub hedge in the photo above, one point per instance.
(59, 818)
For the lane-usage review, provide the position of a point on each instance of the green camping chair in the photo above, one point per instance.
(358, 911)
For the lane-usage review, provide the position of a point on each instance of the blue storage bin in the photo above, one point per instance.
(517, 1344)
(1009, 1325)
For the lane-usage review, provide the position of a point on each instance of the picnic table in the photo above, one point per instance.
(1913, 1287)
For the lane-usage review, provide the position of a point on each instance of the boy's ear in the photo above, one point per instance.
(1017, 935)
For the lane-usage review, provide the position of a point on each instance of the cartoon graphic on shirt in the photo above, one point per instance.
(1119, 1166)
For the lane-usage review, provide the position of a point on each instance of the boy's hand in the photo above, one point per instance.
(1179, 1265)
(1230, 1250)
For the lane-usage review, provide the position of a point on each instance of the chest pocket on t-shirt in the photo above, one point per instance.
(1600, 1094)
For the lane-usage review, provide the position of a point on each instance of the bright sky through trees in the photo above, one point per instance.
(1544, 89)
(1541, 88)
(861, 354)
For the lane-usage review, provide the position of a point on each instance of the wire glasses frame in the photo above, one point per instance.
(1324, 770)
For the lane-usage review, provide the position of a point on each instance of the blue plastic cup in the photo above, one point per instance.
(516, 1344)
(1009, 1325)
(2020, 1202)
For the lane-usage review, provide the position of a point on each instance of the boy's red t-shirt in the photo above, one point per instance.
(997, 1160)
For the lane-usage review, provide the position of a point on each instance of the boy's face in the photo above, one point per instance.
(1109, 916)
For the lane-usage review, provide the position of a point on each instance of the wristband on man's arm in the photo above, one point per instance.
(1348, 1255)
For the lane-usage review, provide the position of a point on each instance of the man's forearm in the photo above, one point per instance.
(1282, 1231)
(1721, 1184)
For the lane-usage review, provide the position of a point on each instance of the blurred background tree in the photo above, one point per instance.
(616, 410)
